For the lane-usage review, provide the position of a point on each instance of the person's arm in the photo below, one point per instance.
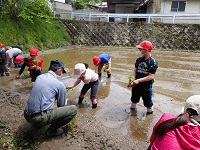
(40, 64)
(144, 79)
(109, 65)
(61, 97)
(75, 84)
(96, 69)
(22, 68)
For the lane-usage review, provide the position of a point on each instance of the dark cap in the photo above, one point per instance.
(58, 63)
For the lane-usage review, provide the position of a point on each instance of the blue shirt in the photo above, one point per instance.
(104, 58)
(46, 90)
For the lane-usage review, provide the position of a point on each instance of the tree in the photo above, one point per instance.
(27, 9)
(79, 4)
(92, 1)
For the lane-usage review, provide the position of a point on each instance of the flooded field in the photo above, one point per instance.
(177, 78)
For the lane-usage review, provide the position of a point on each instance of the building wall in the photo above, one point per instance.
(63, 7)
(192, 6)
(124, 9)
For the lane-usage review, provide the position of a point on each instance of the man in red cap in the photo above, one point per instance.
(143, 75)
(34, 62)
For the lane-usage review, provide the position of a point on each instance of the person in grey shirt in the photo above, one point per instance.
(46, 90)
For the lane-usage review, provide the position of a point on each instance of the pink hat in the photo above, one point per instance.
(78, 70)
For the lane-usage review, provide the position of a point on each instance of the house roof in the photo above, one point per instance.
(124, 1)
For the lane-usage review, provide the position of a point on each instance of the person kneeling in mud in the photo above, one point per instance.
(34, 64)
(47, 89)
(90, 78)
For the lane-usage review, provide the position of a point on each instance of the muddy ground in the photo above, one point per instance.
(112, 126)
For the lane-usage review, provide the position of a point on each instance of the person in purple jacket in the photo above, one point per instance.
(103, 60)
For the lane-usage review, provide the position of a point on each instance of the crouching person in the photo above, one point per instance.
(39, 111)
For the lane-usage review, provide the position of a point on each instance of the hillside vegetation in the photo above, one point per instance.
(39, 34)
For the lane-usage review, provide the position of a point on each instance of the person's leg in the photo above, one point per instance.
(1, 70)
(5, 70)
(59, 117)
(84, 90)
(100, 66)
(135, 97)
(108, 73)
(35, 74)
(94, 89)
(147, 98)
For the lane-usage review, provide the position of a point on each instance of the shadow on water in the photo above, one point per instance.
(176, 79)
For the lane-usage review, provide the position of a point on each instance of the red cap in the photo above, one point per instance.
(7, 47)
(33, 52)
(1, 45)
(145, 44)
(96, 60)
(19, 59)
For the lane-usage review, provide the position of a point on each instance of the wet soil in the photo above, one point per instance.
(112, 126)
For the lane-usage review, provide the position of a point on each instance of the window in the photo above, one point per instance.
(178, 6)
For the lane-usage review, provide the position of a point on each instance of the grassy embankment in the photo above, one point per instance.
(40, 34)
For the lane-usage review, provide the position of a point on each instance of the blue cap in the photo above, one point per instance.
(58, 63)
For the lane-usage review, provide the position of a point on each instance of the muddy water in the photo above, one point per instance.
(177, 78)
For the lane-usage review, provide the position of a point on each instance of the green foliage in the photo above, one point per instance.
(105, 66)
(40, 34)
(79, 4)
(73, 122)
(27, 9)
(130, 77)
(92, 1)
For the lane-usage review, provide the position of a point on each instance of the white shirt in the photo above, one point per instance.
(90, 76)
(13, 52)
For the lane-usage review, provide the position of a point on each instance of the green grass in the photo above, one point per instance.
(40, 34)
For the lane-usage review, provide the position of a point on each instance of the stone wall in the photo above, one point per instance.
(163, 36)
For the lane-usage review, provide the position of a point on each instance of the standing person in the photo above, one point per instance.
(12, 53)
(34, 62)
(100, 61)
(143, 74)
(90, 78)
(39, 111)
(180, 132)
(3, 63)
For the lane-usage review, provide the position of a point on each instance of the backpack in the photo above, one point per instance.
(3, 59)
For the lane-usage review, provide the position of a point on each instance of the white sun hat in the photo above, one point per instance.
(193, 102)
(78, 70)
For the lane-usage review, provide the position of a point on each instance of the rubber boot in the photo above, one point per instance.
(80, 100)
(109, 75)
(94, 106)
(99, 75)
